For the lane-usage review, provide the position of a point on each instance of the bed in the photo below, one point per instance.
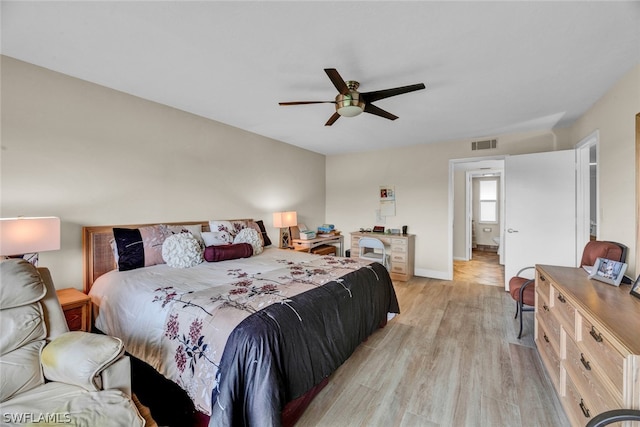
(250, 340)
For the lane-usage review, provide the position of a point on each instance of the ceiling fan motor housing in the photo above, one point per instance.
(351, 104)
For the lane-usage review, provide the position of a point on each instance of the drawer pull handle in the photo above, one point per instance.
(542, 278)
(585, 362)
(545, 307)
(561, 298)
(546, 338)
(584, 408)
(596, 336)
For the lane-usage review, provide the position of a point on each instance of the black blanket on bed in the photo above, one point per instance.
(278, 353)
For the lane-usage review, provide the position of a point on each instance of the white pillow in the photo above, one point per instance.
(181, 251)
(251, 236)
(216, 238)
(195, 230)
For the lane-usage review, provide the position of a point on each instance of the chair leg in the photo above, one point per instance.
(521, 316)
(517, 307)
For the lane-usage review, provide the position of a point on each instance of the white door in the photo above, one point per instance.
(540, 211)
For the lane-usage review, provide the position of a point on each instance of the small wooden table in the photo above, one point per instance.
(77, 309)
(308, 245)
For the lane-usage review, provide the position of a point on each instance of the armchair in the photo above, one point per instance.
(48, 374)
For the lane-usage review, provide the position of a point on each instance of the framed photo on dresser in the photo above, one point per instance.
(635, 288)
(608, 271)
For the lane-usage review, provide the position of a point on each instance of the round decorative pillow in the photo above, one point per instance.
(181, 250)
(251, 236)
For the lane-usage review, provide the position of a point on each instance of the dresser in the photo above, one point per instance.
(401, 251)
(588, 336)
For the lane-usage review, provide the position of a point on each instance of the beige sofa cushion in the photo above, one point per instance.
(21, 370)
(26, 284)
(20, 326)
(78, 358)
(73, 407)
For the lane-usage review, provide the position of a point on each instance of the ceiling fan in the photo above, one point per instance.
(349, 102)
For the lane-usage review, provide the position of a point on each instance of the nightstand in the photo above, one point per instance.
(77, 308)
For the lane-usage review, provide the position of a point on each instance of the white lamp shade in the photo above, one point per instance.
(285, 219)
(25, 235)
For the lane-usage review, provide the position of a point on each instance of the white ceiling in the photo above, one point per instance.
(489, 67)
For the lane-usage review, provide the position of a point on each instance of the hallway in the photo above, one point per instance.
(484, 268)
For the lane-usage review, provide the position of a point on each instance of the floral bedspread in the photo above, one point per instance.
(206, 332)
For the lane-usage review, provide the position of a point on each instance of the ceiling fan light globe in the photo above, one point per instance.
(349, 110)
(349, 105)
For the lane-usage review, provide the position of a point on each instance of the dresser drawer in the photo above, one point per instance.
(551, 328)
(398, 268)
(581, 367)
(551, 323)
(582, 406)
(609, 359)
(399, 249)
(543, 287)
(549, 355)
(578, 408)
(563, 310)
(399, 242)
(398, 258)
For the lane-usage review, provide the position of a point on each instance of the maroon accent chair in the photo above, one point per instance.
(522, 289)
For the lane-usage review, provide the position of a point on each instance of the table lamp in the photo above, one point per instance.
(284, 221)
(24, 237)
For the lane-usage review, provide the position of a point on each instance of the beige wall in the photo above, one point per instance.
(420, 175)
(94, 156)
(614, 117)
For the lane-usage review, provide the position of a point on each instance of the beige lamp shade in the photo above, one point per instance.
(25, 235)
(285, 219)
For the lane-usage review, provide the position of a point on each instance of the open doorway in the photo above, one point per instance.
(477, 219)
(484, 208)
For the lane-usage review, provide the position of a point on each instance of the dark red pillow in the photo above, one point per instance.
(227, 252)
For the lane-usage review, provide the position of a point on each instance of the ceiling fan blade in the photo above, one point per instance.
(372, 109)
(332, 119)
(386, 93)
(306, 102)
(337, 81)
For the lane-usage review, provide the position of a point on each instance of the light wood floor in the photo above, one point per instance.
(451, 358)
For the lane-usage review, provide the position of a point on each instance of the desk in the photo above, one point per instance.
(307, 245)
(401, 252)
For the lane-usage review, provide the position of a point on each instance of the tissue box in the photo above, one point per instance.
(326, 228)
(307, 235)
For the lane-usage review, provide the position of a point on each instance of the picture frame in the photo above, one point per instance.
(608, 271)
(635, 288)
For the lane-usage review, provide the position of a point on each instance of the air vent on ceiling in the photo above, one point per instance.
(487, 144)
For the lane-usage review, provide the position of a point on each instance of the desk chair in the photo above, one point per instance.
(373, 249)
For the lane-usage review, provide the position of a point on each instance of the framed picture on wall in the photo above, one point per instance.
(635, 288)
(608, 271)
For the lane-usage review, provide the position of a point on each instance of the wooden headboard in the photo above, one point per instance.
(97, 256)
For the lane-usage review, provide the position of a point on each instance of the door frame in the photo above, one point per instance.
(452, 169)
(479, 173)
(583, 191)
